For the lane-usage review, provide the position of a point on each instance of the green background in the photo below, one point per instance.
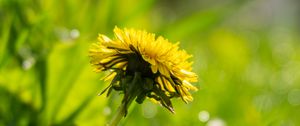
(245, 52)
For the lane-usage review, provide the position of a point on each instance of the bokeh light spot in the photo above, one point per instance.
(203, 116)
(106, 110)
(74, 33)
(216, 122)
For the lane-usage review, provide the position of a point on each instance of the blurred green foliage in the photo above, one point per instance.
(246, 53)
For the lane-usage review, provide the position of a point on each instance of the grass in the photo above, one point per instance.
(247, 59)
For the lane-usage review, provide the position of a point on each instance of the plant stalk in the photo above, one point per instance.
(118, 116)
(134, 92)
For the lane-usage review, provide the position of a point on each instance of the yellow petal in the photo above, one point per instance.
(189, 85)
(149, 59)
(159, 81)
(188, 98)
(187, 72)
(154, 68)
(110, 76)
(119, 36)
(103, 38)
(169, 86)
(162, 69)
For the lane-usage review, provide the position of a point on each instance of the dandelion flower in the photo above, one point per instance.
(143, 66)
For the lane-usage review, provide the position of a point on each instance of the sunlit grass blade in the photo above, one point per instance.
(139, 9)
(199, 21)
(4, 38)
(70, 120)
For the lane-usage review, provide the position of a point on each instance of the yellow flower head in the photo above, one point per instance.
(143, 66)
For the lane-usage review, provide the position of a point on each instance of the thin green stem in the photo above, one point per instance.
(118, 116)
(133, 93)
(120, 113)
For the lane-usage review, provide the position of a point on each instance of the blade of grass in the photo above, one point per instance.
(71, 118)
(139, 9)
(68, 77)
(41, 73)
(13, 111)
(4, 38)
(110, 21)
(199, 21)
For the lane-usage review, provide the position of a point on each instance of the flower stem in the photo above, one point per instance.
(135, 83)
(120, 113)
(118, 116)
